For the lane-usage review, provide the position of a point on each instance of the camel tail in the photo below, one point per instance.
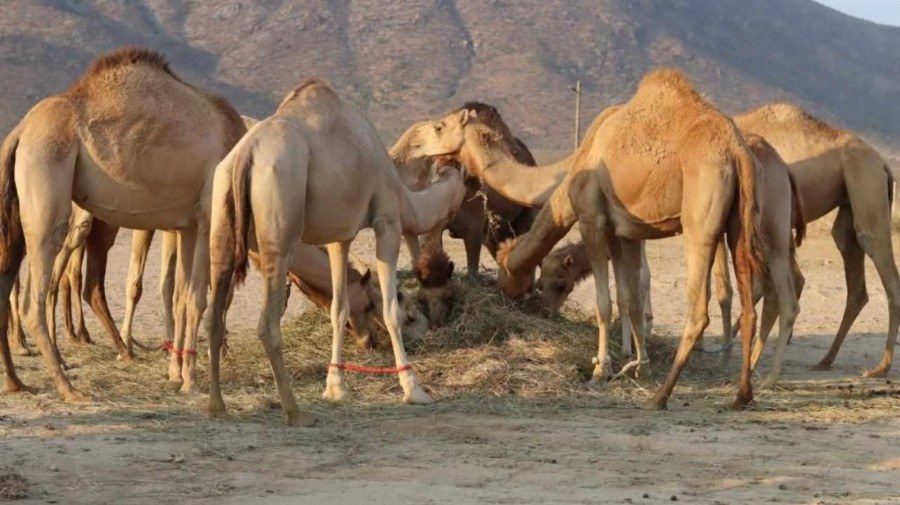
(799, 220)
(243, 160)
(11, 244)
(750, 242)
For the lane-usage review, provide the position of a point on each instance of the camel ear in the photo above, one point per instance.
(366, 277)
(568, 261)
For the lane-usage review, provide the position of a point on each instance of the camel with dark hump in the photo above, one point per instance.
(128, 131)
(666, 162)
(316, 172)
(836, 169)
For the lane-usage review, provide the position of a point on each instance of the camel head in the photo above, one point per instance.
(512, 286)
(556, 282)
(434, 271)
(412, 322)
(441, 136)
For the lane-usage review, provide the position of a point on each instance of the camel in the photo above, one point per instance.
(836, 169)
(626, 184)
(780, 284)
(128, 131)
(434, 271)
(486, 217)
(316, 172)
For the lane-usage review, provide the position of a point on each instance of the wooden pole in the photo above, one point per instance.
(577, 113)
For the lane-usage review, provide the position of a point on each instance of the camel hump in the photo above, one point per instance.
(669, 78)
(129, 56)
(789, 115)
(311, 90)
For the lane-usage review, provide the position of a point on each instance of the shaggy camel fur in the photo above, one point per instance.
(321, 148)
(127, 132)
(626, 184)
(837, 169)
(486, 217)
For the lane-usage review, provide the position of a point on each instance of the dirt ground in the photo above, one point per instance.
(807, 443)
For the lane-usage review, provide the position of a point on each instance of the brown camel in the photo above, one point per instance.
(486, 217)
(837, 169)
(125, 133)
(434, 271)
(626, 184)
(317, 172)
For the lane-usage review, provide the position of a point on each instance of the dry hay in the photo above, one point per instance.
(12, 486)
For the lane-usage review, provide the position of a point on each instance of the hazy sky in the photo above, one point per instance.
(886, 12)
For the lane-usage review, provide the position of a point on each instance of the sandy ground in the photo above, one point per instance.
(809, 445)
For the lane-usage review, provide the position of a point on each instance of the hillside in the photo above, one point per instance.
(404, 60)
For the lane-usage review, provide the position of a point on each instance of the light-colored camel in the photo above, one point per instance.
(836, 169)
(486, 217)
(665, 162)
(317, 172)
(124, 134)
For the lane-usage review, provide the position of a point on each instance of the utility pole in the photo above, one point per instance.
(577, 90)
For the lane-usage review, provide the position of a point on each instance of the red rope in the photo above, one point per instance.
(350, 367)
(169, 347)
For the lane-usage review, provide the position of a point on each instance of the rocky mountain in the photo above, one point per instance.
(402, 60)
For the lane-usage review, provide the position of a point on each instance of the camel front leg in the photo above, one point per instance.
(387, 248)
(335, 388)
(79, 228)
(73, 310)
(788, 308)
(140, 247)
(593, 232)
(15, 333)
(645, 290)
(99, 242)
(626, 259)
(415, 248)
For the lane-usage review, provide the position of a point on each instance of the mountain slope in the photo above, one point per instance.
(404, 60)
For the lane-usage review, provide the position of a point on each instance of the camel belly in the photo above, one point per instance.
(134, 205)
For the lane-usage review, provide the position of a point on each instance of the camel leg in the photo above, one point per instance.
(8, 284)
(724, 292)
(167, 282)
(767, 321)
(699, 253)
(855, 276)
(626, 257)
(592, 226)
(99, 242)
(221, 257)
(195, 302)
(788, 308)
(880, 249)
(16, 334)
(387, 247)
(45, 224)
(187, 240)
(72, 306)
(412, 243)
(140, 246)
(335, 389)
(645, 290)
(79, 228)
(628, 335)
(799, 283)
(472, 242)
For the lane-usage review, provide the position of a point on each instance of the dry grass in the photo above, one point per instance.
(13, 486)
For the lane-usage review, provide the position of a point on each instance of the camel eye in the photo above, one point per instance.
(438, 128)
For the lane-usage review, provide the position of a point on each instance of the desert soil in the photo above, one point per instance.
(809, 444)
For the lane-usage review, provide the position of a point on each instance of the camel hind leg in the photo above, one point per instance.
(99, 242)
(167, 282)
(8, 281)
(70, 289)
(16, 335)
(855, 276)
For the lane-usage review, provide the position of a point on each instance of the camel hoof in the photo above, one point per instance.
(740, 403)
(17, 387)
(335, 393)
(820, 367)
(216, 408)
(301, 420)
(654, 404)
(127, 357)
(76, 396)
(187, 388)
(879, 372)
(417, 396)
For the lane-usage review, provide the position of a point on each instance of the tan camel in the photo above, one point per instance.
(486, 217)
(837, 169)
(317, 172)
(625, 184)
(125, 133)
